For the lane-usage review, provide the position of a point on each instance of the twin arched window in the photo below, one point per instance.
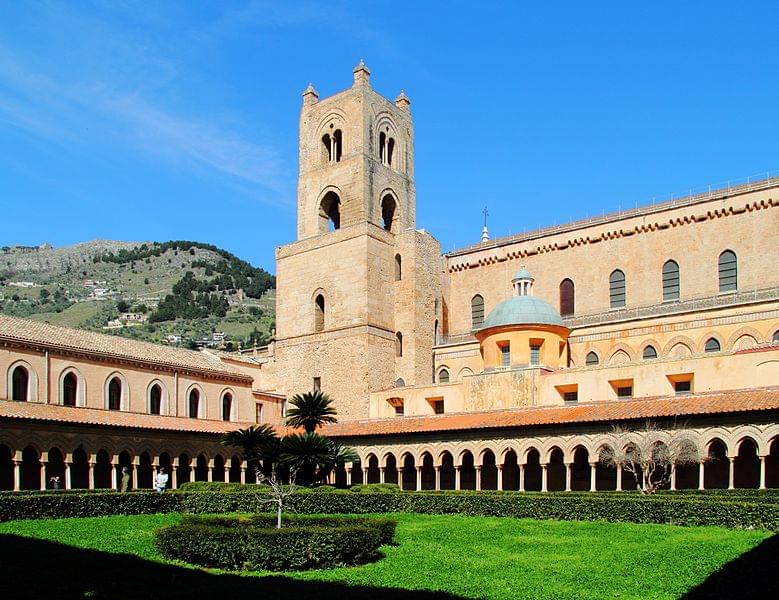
(227, 406)
(333, 146)
(20, 384)
(728, 271)
(567, 298)
(194, 404)
(477, 311)
(670, 281)
(386, 147)
(617, 289)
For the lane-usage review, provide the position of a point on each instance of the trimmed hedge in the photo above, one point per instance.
(679, 509)
(254, 543)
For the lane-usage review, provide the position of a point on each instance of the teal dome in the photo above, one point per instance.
(522, 310)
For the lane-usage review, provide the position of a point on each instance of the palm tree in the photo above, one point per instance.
(311, 410)
(258, 444)
(305, 453)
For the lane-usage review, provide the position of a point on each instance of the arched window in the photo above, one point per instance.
(388, 209)
(398, 267)
(398, 344)
(728, 271)
(333, 146)
(337, 145)
(712, 345)
(650, 353)
(390, 151)
(386, 147)
(775, 338)
(329, 212)
(20, 384)
(327, 142)
(617, 289)
(670, 281)
(591, 359)
(399, 382)
(566, 297)
(114, 394)
(319, 313)
(382, 146)
(477, 311)
(155, 399)
(69, 389)
(194, 404)
(227, 406)
(443, 376)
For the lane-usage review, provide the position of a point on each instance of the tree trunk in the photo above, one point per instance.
(278, 516)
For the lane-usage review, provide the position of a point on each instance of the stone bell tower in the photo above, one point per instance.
(356, 299)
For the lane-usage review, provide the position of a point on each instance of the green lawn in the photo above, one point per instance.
(464, 557)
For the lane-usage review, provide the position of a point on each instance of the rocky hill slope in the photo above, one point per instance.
(178, 292)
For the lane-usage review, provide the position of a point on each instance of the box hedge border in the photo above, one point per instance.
(679, 509)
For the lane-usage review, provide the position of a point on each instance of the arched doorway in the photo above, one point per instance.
(55, 467)
(555, 471)
(717, 469)
(31, 469)
(145, 472)
(409, 473)
(533, 473)
(184, 470)
(201, 468)
(125, 462)
(235, 470)
(428, 472)
(510, 471)
(390, 469)
(103, 470)
(580, 470)
(6, 468)
(605, 475)
(489, 471)
(373, 469)
(447, 471)
(79, 470)
(356, 473)
(467, 471)
(747, 465)
(218, 472)
(339, 476)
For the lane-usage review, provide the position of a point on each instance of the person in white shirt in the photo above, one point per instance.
(161, 481)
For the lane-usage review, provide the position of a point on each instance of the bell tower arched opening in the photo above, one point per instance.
(330, 212)
(388, 213)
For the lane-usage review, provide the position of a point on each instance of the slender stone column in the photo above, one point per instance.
(593, 475)
(619, 478)
(17, 475)
(243, 472)
(762, 473)
(91, 474)
(568, 469)
(673, 477)
(543, 477)
(419, 478)
(113, 476)
(67, 475)
(174, 472)
(365, 475)
(438, 478)
(521, 478)
(381, 474)
(500, 476)
(478, 477)
(701, 473)
(400, 477)
(731, 472)
(457, 485)
(348, 476)
(43, 473)
(136, 462)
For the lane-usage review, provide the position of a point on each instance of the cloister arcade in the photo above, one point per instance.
(740, 457)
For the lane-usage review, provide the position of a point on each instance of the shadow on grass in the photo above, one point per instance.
(753, 575)
(31, 568)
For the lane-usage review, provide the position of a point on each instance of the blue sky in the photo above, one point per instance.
(164, 120)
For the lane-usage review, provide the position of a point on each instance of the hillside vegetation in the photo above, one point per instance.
(180, 292)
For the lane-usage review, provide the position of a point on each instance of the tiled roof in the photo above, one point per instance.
(28, 331)
(759, 399)
(34, 411)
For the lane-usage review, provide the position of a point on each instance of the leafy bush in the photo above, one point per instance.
(375, 488)
(254, 542)
(761, 511)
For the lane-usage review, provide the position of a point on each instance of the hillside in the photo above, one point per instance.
(177, 292)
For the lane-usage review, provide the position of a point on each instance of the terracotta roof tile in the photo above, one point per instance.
(28, 331)
(35, 411)
(759, 399)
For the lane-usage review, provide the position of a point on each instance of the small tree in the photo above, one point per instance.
(650, 454)
(278, 491)
(311, 410)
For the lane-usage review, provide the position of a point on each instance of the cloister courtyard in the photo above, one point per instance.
(434, 557)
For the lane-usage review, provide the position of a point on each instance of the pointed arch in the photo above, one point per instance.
(157, 398)
(116, 392)
(22, 382)
(72, 387)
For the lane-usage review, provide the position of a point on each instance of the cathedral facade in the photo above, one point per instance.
(503, 365)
